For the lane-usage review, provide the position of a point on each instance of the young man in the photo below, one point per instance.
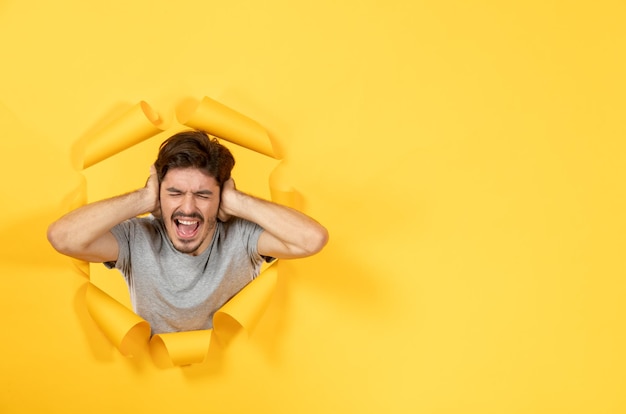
(204, 241)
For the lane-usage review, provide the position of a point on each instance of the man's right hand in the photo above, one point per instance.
(152, 191)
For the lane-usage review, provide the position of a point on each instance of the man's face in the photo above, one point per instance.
(190, 201)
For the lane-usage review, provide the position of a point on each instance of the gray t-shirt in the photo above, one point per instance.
(174, 291)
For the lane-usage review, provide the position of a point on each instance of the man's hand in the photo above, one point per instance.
(151, 191)
(227, 198)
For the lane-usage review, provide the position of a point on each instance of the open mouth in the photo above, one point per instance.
(187, 228)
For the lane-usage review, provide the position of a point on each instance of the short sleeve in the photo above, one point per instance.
(249, 233)
(122, 233)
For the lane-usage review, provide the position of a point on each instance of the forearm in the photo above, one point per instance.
(297, 234)
(74, 233)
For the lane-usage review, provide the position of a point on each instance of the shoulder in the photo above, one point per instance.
(241, 227)
(139, 227)
(239, 233)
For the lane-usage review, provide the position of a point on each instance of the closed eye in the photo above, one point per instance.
(173, 192)
(204, 194)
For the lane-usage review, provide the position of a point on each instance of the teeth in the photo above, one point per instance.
(186, 222)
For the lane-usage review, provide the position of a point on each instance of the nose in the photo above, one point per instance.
(188, 204)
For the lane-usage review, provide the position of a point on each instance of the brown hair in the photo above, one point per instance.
(195, 149)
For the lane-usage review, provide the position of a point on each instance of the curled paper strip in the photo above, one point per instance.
(245, 309)
(135, 125)
(180, 348)
(125, 329)
(228, 124)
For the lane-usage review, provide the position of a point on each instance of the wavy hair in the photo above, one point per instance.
(195, 149)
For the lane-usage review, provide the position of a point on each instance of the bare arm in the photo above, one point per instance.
(288, 233)
(85, 234)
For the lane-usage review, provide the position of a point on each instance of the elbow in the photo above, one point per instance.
(57, 238)
(317, 240)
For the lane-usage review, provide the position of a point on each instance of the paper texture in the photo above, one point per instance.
(227, 124)
(180, 348)
(137, 124)
(121, 326)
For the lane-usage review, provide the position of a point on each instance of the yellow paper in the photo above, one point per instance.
(125, 329)
(228, 124)
(180, 348)
(246, 308)
(467, 157)
(137, 124)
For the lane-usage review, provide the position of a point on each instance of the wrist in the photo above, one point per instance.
(233, 202)
(146, 202)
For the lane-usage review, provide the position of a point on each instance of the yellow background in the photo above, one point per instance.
(467, 158)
